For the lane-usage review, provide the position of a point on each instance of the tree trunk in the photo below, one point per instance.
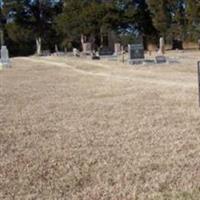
(38, 46)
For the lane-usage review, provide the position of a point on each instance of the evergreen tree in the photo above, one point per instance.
(193, 13)
(30, 23)
(34, 18)
(95, 18)
(85, 20)
(161, 16)
(137, 15)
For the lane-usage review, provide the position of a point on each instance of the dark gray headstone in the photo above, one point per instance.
(136, 51)
(161, 59)
(105, 51)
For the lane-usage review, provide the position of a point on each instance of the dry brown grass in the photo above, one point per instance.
(86, 130)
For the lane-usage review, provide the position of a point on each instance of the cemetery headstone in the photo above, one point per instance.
(161, 46)
(95, 55)
(117, 49)
(56, 48)
(76, 52)
(135, 53)
(87, 48)
(5, 57)
(160, 59)
(123, 52)
(105, 51)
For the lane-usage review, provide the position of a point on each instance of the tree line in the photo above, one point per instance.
(32, 25)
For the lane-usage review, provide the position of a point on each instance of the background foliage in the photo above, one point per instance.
(64, 22)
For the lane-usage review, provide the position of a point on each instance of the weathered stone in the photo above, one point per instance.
(5, 56)
(95, 55)
(105, 51)
(117, 49)
(76, 52)
(161, 46)
(87, 48)
(160, 59)
(136, 51)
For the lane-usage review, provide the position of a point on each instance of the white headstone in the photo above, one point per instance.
(117, 49)
(5, 56)
(76, 52)
(161, 46)
(56, 48)
(87, 48)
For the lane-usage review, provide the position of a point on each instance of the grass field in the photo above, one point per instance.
(99, 130)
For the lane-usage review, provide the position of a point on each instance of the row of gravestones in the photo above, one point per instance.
(87, 49)
(135, 52)
(4, 61)
(136, 55)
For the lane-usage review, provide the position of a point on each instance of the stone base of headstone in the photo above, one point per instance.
(95, 57)
(105, 51)
(136, 61)
(160, 59)
(87, 48)
(149, 61)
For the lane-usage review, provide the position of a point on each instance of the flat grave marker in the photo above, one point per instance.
(105, 51)
(160, 59)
